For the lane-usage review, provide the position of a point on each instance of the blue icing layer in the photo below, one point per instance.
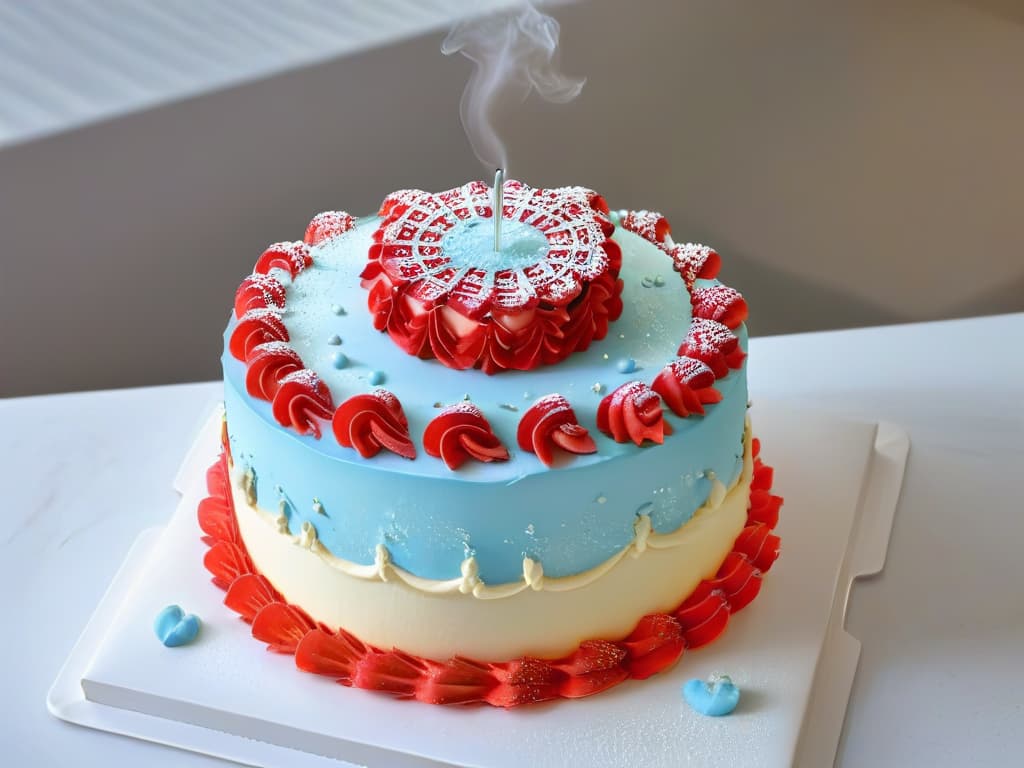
(570, 518)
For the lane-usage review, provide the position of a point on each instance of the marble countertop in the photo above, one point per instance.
(942, 626)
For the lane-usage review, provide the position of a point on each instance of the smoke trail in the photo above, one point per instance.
(514, 54)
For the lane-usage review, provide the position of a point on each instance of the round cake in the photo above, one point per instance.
(469, 460)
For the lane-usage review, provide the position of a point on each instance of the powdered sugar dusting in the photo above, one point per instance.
(693, 260)
(422, 242)
(465, 407)
(650, 225)
(687, 369)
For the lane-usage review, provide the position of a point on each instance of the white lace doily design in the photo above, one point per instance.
(440, 289)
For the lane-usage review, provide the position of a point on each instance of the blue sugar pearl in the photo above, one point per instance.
(335, 340)
(715, 698)
(339, 360)
(626, 365)
(174, 627)
(377, 377)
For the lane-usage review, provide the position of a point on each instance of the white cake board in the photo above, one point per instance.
(225, 695)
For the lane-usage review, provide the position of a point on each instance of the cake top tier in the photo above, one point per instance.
(442, 283)
(591, 318)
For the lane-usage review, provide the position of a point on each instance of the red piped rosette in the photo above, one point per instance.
(291, 257)
(551, 423)
(655, 644)
(372, 422)
(459, 433)
(633, 412)
(301, 401)
(692, 261)
(687, 385)
(328, 224)
(494, 319)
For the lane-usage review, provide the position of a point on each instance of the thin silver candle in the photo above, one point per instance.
(499, 184)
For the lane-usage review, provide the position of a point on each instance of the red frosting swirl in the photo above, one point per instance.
(721, 303)
(293, 257)
(713, 343)
(266, 365)
(300, 401)
(650, 225)
(633, 412)
(686, 385)
(459, 433)
(371, 422)
(694, 261)
(656, 643)
(258, 292)
(327, 225)
(551, 423)
(494, 319)
(256, 327)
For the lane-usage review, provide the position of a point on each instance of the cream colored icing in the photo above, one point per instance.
(469, 582)
(545, 617)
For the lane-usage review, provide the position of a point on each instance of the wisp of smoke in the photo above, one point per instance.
(514, 54)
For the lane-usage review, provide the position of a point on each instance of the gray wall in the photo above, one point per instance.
(856, 163)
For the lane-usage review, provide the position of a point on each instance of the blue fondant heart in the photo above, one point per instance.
(174, 627)
(714, 698)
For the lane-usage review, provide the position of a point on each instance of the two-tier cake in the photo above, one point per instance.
(460, 472)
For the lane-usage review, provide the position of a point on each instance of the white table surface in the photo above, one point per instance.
(941, 672)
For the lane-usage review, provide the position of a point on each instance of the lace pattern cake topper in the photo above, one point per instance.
(441, 290)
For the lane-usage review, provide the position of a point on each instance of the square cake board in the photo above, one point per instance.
(225, 695)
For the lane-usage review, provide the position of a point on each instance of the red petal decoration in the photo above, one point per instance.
(524, 681)
(764, 477)
(267, 364)
(392, 672)
(764, 508)
(457, 681)
(217, 519)
(249, 594)
(593, 667)
(686, 386)
(632, 412)
(704, 622)
(459, 433)
(759, 545)
(721, 303)
(301, 399)
(327, 225)
(292, 257)
(258, 292)
(324, 653)
(226, 562)
(281, 626)
(371, 422)
(656, 643)
(551, 422)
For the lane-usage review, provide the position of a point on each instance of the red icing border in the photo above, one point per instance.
(655, 644)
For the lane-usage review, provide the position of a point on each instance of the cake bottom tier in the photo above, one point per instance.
(636, 616)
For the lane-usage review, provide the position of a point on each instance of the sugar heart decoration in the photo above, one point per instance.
(715, 698)
(174, 627)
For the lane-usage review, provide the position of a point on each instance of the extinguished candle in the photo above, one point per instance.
(498, 207)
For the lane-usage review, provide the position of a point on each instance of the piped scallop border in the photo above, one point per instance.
(655, 644)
